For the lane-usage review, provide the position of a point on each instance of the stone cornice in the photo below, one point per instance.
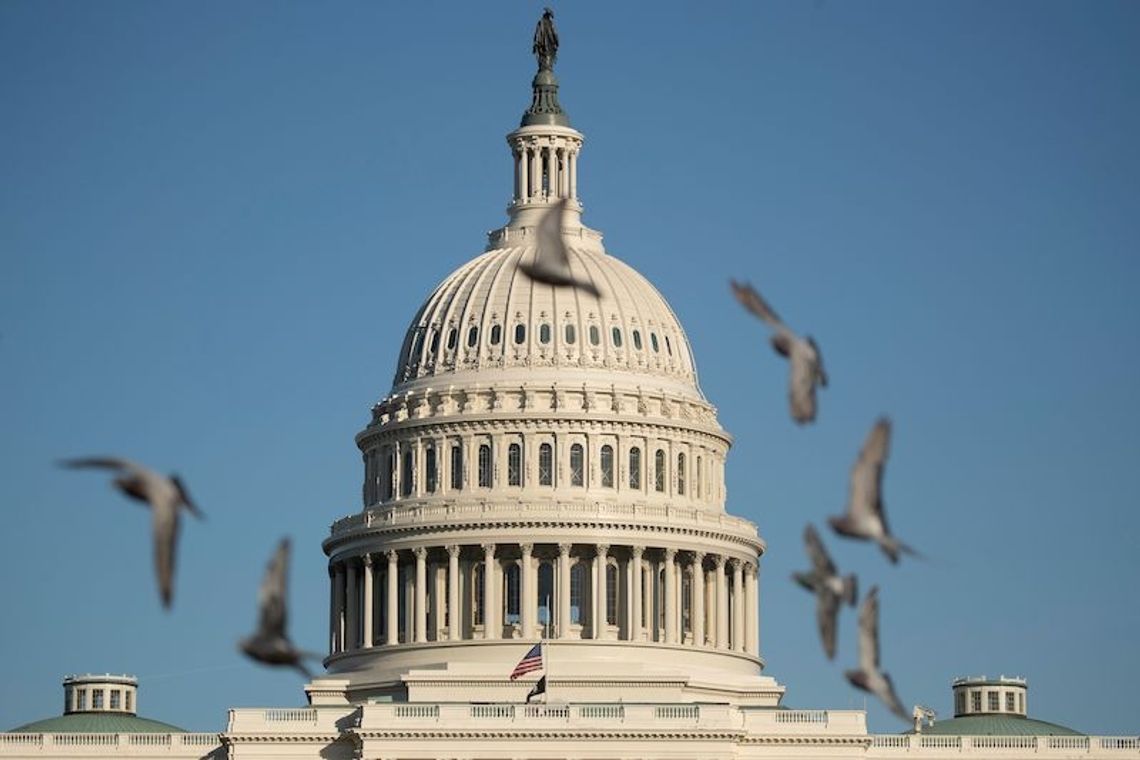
(570, 733)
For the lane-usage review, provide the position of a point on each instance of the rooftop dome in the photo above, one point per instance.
(991, 707)
(98, 704)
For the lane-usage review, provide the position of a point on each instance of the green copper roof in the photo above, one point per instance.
(996, 725)
(97, 723)
(544, 106)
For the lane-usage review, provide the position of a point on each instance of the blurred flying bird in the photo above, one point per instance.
(167, 496)
(829, 588)
(868, 677)
(865, 518)
(804, 359)
(269, 644)
(551, 263)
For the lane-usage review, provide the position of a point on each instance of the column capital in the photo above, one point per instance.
(720, 560)
(420, 552)
(526, 548)
(453, 550)
(367, 558)
(670, 553)
(637, 551)
(603, 549)
(564, 549)
(698, 558)
(392, 555)
(488, 550)
(735, 563)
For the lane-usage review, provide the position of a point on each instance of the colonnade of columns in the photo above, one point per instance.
(557, 591)
(545, 172)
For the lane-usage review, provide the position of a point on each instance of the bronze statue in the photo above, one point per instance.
(545, 40)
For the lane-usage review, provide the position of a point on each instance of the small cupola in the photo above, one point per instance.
(979, 695)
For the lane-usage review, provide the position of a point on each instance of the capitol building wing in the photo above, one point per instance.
(545, 470)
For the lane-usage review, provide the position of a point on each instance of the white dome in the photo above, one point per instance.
(488, 315)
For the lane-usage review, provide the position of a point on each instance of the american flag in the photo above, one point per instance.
(530, 662)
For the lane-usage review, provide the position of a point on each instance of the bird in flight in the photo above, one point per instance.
(865, 518)
(551, 264)
(829, 588)
(805, 361)
(167, 497)
(270, 644)
(869, 677)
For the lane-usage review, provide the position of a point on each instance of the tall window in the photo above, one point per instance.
(477, 595)
(388, 476)
(544, 334)
(456, 466)
(407, 473)
(595, 335)
(611, 594)
(484, 465)
(545, 464)
(127, 697)
(687, 600)
(681, 474)
(578, 594)
(992, 701)
(96, 699)
(571, 335)
(496, 334)
(116, 699)
(960, 702)
(700, 476)
(1009, 701)
(514, 465)
(81, 699)
(430, 470)
(659, 470)
(607, 466)
(975, 701)
(546, 598)
(635, 468)
(511, 594)
(577, 474)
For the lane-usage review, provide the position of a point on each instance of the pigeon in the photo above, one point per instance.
(551, 263)
(868, 677)
(829, 588)
(269, 644)
(865, 519)
(167, 496)
(803, 355)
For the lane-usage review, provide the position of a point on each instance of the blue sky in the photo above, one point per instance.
(217, 219)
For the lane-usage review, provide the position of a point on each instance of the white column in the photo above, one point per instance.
(393, 597)
(649, 599)
(352, 616)
(601, 626)
(670, 596)
(368, 594)
(752, 611)
(535, 171)
(635, 595)
(710, 608)
(490, 618)
(574, 174)
(454, 617)
(697, 603)
(564, 174)
(564, 591)
(737, 605)
(421, 593)
(338, 606)
(555, 178)
(721, 604)
(550, 171)
(527, 607)
(520, 174)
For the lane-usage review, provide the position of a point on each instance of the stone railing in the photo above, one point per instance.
(411, 514)
(193, 745)
(987, 746)
(286, 720)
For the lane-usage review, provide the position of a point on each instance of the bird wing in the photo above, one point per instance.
(754, 303)
(552, 254)
(184, 497)
(826, 614)
(817, 552)
(865, 497)
(164, 523)
(801, 384)
(869, 632)
(106, 463)
(890, 698)
(271, 596)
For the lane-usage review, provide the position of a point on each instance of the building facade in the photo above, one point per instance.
(546, 470)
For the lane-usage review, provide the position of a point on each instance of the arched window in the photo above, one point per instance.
(496, 334)
(544, 333)
(477, 594)
(389, 474)
(668, 345)
(659, 473)
(514, 465)
(545, 464)
(681, 474)
(431, 475)
(434, 342)
(687, 602)
(635, 468)
(484, 465)
(452, 339)
(578, 609)
(571, 335)
(472, 336)
(700, 476)
(607, 462)
(611, 594)
(616, 335)
(595, 335)
(520, 333)
(511, 594)
(456, 466)
(653, 342)
(577, 466)
(407, 474)
(637, 339)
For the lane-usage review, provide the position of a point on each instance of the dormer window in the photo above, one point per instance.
(616, 334)
(520, 334)
(653, 342)
(496, 334)
(637, 339)
(595, 335)
(472, 336)
(544, 334)
(571, 335)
